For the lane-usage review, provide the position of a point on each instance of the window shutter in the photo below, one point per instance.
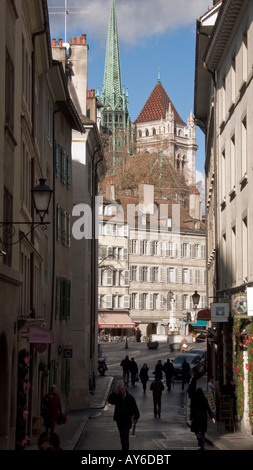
(126, 301)
(68, 172)
(56, 159)
(140, 306)
(126, 277)
(108, 301)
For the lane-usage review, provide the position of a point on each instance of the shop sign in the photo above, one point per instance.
(239, 306)
(219, 312)
(40, 335)
(204, 314)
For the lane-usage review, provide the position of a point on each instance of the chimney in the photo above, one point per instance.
(79, 61)
(110, 191)
(195, 204)
(59, 52)
(146, 198)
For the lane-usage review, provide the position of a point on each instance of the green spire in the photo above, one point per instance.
(115, 113)
(112, 87)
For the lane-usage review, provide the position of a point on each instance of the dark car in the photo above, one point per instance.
(196, 364)
(202, 353)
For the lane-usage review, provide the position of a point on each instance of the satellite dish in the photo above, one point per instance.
(67, 45)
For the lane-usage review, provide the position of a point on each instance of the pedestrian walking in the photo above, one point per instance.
(200, 409)
(159, 369)
(51, 408)
(186, 372)
(126, 413)
(169, 372)
(126, 365)
(157, 388)
(138, 335)
(144, 376)
(134, 371)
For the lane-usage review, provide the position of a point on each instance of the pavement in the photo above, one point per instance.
(70, 433)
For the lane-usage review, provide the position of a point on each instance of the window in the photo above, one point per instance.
(134, 301)
(9, 92)
(232, 162)
(62, 298)
(25, 182)
(49, 122)
(245, 56)
(244, 146)
(223, 175)
(133, 273)
(26, 76)
(233, 77)
(223, 100)
(184, 250)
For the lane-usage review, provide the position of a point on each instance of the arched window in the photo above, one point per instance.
(140, 134)
(147, 133)
(154, 131)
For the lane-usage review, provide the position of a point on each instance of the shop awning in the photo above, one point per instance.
(115, 320)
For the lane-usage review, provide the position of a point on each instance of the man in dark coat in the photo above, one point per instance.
(126, 413)
(199, 410)
(126, 365)
(159, 369)
(134, 371)
(157, 388)
(169, 372)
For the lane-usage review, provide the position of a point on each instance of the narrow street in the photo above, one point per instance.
(170, 432)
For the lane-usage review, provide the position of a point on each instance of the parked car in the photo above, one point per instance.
(195, 361)
(202, 353)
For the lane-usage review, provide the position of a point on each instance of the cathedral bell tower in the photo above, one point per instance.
(115, 111)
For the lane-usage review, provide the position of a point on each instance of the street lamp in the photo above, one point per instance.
(41, 197)
(195, 299)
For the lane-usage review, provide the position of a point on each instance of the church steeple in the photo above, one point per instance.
(115, 111)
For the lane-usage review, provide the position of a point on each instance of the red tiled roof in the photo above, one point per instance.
(156, 106)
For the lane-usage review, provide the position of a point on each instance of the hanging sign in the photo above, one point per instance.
(239, 306)
(219, 312)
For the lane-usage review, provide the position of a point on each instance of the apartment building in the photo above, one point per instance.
(152, 256)
(223, 106)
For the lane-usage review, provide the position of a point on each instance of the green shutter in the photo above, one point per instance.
(56, 159)
(68, 172)
(58, 229)
(63, 165)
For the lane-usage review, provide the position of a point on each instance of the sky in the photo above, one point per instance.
(155, 37)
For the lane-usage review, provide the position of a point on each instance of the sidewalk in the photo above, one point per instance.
(219, 437)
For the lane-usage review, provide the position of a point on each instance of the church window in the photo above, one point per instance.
(140, 134)
(154, 131)
(147, 133)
